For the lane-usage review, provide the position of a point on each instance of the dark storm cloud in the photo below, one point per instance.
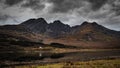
(34, 4)
(65, 5)
(4, 17)
(116, 7)
(12, 2)
(117, 10)
(97, 4)
(1, 0)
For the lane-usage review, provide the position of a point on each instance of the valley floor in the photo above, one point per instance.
(111, 63)
(63, 58)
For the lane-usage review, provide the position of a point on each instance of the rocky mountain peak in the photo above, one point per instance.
(41, 20)
(34, 21)
(36, 25)
(57, 22)
(85, 23)
(89, 23)
(94, 23)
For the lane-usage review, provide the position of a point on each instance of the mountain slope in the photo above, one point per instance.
(87, 35)
(18, 32)
(35, 25)
(57, 28)
(87, 30)
(14, 28)
(40, 26)
(92, 32)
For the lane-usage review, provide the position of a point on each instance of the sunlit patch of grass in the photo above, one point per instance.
(98, 64)
(59, 65)
(113, 63)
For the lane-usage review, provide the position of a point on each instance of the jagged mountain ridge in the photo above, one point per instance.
(40, 26)
(58, 29)
(35, 25)
(90, 35)
(93, 31)
(86, 31)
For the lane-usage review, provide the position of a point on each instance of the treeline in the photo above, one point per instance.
(58, 45)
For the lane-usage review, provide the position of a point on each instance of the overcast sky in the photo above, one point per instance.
(72, 12)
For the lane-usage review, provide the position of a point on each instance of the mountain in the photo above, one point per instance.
(93, 32)
(40, 26)
(88, 34)
(36, 25)
(89, 31)
(17, 32)
(57, 28)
